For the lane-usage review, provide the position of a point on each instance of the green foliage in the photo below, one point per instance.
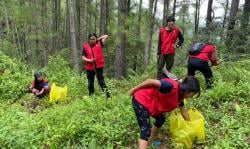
(13, 78)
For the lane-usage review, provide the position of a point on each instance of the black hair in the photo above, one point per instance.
(92, 34)
(170, 19)
(37, 74)
(190, 84)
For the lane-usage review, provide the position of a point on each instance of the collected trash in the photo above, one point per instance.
(57, 93)
(186, 132)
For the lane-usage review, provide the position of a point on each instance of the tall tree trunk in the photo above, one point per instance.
(165, 11)
(232, 19)
(246, 14)
(78, 25)
(225, 15)
(103, 21)
(148, 44)
(138, 33)
(41, 46)
(128, 6)
(120, 51)
(73, 34)
(209, 13)
(224, 20)
(196, 22)
(55, 24)
(85, 21)
(174, 8)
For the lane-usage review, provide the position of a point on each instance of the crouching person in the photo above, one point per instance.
(156, 97)
(40, 86)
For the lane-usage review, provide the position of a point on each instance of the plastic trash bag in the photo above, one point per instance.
(57, 93)
(186, 132)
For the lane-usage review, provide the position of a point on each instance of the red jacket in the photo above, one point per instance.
(168, 39)
(206, 54)
(96, 53)
(156, 102)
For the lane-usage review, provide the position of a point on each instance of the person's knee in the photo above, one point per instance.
(159, 121)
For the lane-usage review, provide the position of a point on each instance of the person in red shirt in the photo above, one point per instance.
(40, 86)
(200, 62)
(93, 59)
(167, 44)
(156, 97)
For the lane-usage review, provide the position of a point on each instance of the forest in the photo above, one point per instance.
(50, 36)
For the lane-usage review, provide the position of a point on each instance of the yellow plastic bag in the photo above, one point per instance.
(186, 132)
(57, 93)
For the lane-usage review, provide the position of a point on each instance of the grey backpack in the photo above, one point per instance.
(196, 48)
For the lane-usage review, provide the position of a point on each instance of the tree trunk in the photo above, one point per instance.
(150, 32)
(73, 34)
(85, 21)
(120, 52)
(174, 8)
(165, 11)
(196, 22)
(103, 17)
(232, 19)
(55, 24)
(78, 26)
(138, 33)
(246, 14)
(225, 15)
(209, 13)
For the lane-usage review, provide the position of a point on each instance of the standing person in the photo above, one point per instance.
(154, 98)
(199, 61)
(167, 45)
(93, 58)
(40, 86)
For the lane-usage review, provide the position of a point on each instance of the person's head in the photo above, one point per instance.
(170, 22)
(189, 87)
(38, 76)
(92, 38)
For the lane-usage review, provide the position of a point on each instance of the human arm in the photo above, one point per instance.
(213, 57)
(148, 83)
(103, 39)
(181, 40)
(184, 113)
(84, 57)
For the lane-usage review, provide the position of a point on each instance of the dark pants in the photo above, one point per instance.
(91, 78)
(165, 59)
(143, 119)
(202, 66)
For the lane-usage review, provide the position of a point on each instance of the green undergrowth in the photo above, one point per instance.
(95, 122)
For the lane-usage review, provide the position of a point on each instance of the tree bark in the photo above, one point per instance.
(165, 11)
(246, 14)
(150, 32)
(103, 17)
(73, 34)
(174, 8)
(85, 21)
(197, 12)
(138, 33)
(209, 13)
(120, 51)
(225, 15)
(232, 19)
(78, 25)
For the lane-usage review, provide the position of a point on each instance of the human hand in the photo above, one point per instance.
(91, 60)
(174, 46)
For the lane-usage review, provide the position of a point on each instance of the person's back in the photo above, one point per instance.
(200, 62)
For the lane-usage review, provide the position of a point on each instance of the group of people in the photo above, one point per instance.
(153, 97)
